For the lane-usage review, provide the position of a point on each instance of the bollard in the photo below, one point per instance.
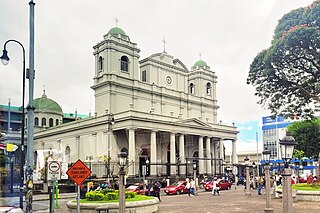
(57, 195)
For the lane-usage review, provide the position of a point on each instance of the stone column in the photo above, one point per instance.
(201, 161)
(287, 201)
(132, 152)
(182, 169)
(153, 157)
(221, 145)
(208, 162)
(172, 153)
(214, 156)
(234, 157)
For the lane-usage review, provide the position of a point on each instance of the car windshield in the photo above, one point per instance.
(177, 183)
(132, 187)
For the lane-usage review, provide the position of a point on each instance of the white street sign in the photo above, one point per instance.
(54, 170)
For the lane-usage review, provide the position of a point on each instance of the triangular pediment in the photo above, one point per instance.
(193, 122)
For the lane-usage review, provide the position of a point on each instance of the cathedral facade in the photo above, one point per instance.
(162, 114)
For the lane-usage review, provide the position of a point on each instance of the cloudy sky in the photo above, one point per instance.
(227, 33)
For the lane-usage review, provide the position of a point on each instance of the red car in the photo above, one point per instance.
(222, 184)
(138, 188)
(176, 188)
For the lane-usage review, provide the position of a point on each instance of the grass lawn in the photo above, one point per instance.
(136, 198)
(305, 187)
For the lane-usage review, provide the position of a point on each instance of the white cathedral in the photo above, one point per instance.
(159, 112)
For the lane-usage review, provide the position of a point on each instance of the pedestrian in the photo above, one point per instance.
(156, 189)
(83, 191)
(188, 186)
(192, 187)
(215, 188)
(260, 184)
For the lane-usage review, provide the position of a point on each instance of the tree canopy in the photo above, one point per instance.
(287, 74)
(307, 134)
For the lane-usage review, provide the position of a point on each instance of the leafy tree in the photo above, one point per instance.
(307, 134)
(298, 154)
(287, 74)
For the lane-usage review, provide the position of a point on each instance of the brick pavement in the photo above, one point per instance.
(229, 201)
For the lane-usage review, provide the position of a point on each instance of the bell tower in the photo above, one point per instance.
(116, 57)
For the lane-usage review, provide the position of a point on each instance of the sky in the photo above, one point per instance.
(228, 34)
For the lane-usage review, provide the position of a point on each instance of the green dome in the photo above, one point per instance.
(46, 104)
(116, 31)
(200, 63)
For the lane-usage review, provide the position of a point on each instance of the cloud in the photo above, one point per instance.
(227, 33)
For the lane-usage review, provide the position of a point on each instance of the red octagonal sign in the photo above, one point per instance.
(78, 172)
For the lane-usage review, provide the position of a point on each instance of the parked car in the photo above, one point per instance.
(10, 209)
(138, 188)
(176, 188)
(222, 184)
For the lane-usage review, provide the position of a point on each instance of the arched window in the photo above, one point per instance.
(43, 122)
(191, 88)
(36, 121)
(50, 122)
(100, 63)
(67, 154)
(124, 63)
(57, 122)
(208, 88)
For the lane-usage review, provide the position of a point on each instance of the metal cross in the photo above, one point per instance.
(164, 44)
(116, 19)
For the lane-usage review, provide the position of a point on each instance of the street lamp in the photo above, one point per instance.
(287, 145)
(110, 122)
(266, 154)
(254, 174)
(195, 176)
(122, 198)
(5, 60)
(187, 165)
(246, 160)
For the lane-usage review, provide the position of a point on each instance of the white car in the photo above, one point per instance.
(8, 209)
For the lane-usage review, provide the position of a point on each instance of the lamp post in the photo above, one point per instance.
(110, 122)
(122, 197)
(254, 175)
(246, 160)
(187, 165)
(195, 176)
(5, 60)
(287, 145)
(266, 154)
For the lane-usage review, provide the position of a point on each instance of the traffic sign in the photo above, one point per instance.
(78, 172)
(54, 170)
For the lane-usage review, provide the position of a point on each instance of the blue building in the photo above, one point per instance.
(274, 129)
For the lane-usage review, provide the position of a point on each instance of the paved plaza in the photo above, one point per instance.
(229, 201)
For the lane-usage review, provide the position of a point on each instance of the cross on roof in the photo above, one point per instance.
(200, 55)
(164, 44)
(116, 19)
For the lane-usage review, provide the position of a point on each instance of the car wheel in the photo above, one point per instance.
(178, 192)
(229, 187)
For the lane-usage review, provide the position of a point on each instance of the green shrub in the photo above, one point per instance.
(130, 194)
(107, 195)
(94, 195)
(111, 196)
(106, 191)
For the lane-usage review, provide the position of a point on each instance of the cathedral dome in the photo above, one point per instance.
(200, 63)
(116, 31)
(45, 104)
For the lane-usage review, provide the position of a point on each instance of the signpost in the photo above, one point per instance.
(54, 174)
(78, 172)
